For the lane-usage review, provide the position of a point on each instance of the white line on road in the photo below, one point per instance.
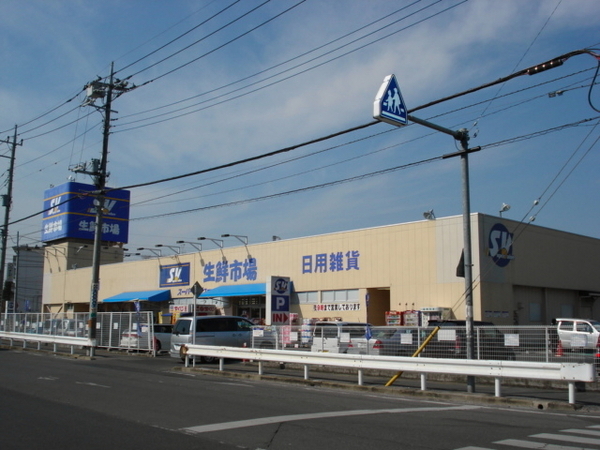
(537, 445)
(92, 384)
(309, 416)
(571, 439)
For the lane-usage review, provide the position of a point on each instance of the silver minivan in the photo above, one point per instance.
(228, 331)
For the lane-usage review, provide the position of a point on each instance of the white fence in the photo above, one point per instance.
(127, 331)
(568, 372)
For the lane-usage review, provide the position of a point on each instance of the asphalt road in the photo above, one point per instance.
(120, 401)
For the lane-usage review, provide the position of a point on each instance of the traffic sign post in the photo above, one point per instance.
(389, 107)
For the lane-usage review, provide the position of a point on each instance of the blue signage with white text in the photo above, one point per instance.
(175, 275)
(70, 212)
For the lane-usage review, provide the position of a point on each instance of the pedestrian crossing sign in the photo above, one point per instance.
(389, 105)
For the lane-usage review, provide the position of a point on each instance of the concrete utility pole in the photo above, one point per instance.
(7, 202)
(96, 90)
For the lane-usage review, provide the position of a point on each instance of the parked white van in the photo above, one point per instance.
(228, 331)
(578, 334)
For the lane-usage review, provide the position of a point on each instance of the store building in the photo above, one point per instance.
(522, 274)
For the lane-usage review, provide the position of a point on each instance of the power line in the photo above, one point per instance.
(295, 191)
(244, 94)
(528, 71)
(175, 40)
(219, 47)
(362, 176)
(282, 63)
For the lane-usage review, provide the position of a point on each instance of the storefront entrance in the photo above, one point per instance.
(251, 307)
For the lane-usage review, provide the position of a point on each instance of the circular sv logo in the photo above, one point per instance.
(280, 285)
(500, 245)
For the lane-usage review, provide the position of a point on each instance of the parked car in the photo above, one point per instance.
(578, 335)
(341, 337)
(449, 342)
(140, 339)
(228, 331)
(65, 327)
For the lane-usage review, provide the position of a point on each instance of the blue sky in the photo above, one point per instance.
(247, 83)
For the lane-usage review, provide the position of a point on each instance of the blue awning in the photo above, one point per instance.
(236, 290)
(145, 296)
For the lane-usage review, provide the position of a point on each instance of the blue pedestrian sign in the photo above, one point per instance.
(389, 105)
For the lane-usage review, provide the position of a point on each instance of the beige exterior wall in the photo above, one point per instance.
(398, 267)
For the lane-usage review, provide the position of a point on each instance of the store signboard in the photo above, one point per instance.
(174, 275)
(278, 292)
(70, 212)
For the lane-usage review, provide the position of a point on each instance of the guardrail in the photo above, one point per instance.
(70, 341)
(571, 373)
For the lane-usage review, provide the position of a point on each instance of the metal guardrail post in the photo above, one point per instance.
(572, 392)
(497, 387)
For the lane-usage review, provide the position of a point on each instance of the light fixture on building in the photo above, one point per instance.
(193, 244)
(156, 252)
(429, 215)
(172, 247)
(242, 239)
(503, 208)
(219, 242)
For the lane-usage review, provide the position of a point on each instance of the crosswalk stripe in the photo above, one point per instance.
(581, 431)
(572, 439)
(474, 448)
(539, 445)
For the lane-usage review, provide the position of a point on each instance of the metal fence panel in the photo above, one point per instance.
(509, 343)
(114, 330)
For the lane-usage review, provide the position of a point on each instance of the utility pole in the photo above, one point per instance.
(7, 202)
(95, 90)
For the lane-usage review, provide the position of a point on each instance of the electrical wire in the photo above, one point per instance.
(274, 66)
(367, 175)
(295, 191)
(528, 71)
(244, 94)
(219, 47)
(175, 40)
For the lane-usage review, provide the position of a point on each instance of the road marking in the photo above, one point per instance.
(474, 448)
(588, 432)
(537, 445)
(309, 416)
(571, 439)
(91, 384)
